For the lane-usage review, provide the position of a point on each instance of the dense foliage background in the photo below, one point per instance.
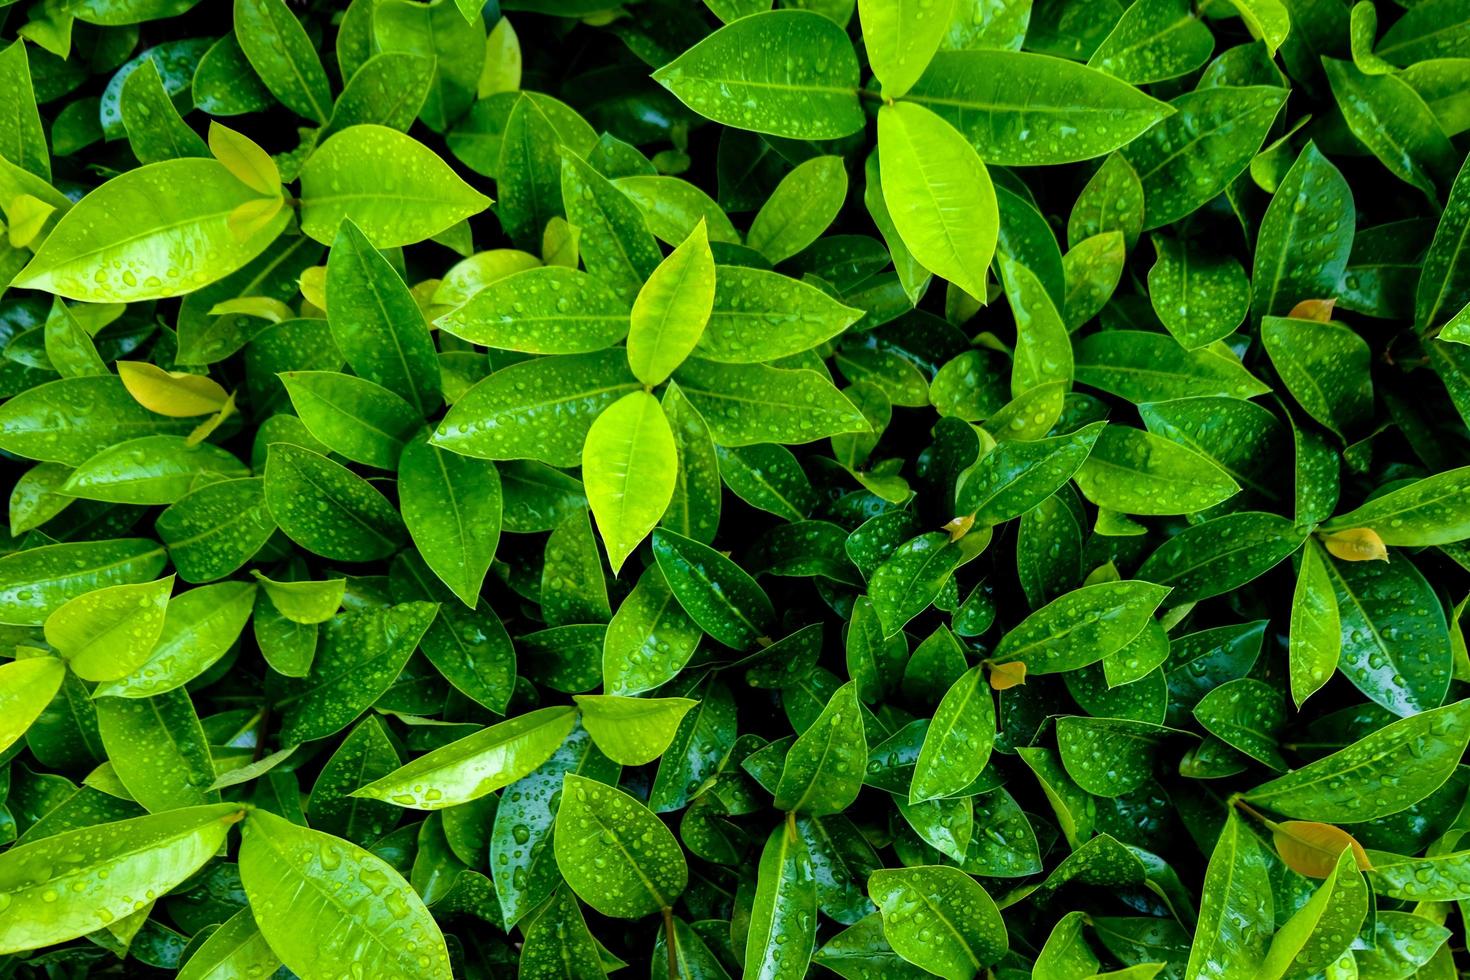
(957, 487)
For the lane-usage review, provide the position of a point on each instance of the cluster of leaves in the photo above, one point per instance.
(749, 545)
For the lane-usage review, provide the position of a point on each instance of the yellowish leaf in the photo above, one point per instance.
(1313, 309)
(264, 307)
(172, 393)
(251, 216)
(1356, 544)
(960, 526)
(28, 215)
(560, 243)
(423, 295)
(314, 286)
(1312, 849)
(206, 428)
(502, 69)
(1003, 677)
(94, 316)
(244, 158)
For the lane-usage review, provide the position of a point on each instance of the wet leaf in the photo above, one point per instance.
(299, 881)
(939, 918)
(616, 855)
(113, 863)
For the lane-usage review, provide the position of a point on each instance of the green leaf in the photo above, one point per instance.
(389, 90)
(901, 39)
(120, 242)
(874, 662)
(362, 653)
(805, 84)
(1390, 118)
(1305, 237)
(632, 731)
(573, 589)
(71, 420)
(26, 688)
(761, 316)
(1325, 367)
(365, 754)
(1017, 476)
(672, 308)
(1235, 918)
(1194, 154)
(158, 750)
(1382, 773)
(36, 582)
(1315, 639)
(616, 855)
(1144, 366)
(783, 916)
(1081, 627)
(912, 576)
(649, 639)
(615, 243)
(212, 531)
(558, 943)
(376, 322)
(106, 634)
(1111, 201)
(938, 194)
(1218, 556)
(940, 919)
(1316, 934)
(1154, 41)
(236, 948)
(476, 765)
(537, 409)
(391, 186)
(22, 140)
(1200, 297)
(1021, 109)
(283, 56)
(155, 130)
(199, 627)
(1108, 757)
(958, 741)
(716, 594)
(698, 750)
(1137, 472)
(549, 310)
(328, 509)
(1394, 642)
(1043, 347)
(799, 209)
(451, 505)
(69, 346)
(825, 765)
(321, 901)
(1247, 715)
(745, 404)
(1242, 438)
(149, 470)
(355, 418)
(629, 466)
(1425, 512)
(1442, 288)
(861, 952)
(455, 39)
(529, 171)
(96, 873)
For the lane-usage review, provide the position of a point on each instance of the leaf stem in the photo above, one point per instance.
(1247, 808)
(671, 942)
